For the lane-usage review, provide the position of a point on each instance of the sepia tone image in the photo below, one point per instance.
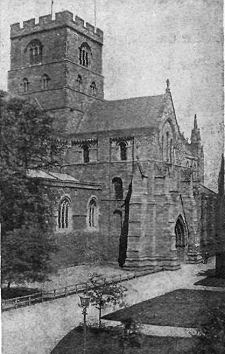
(112, 176)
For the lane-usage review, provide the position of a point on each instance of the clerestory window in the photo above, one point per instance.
(123, 151)
(86, 153)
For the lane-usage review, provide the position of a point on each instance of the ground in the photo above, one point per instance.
(40, 328)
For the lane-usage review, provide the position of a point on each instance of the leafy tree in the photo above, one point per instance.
(211, 336)
(103, 293)
(26, 203)
(131, 335)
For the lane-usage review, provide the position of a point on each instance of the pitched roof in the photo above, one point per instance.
(64, 177)
(138, 112)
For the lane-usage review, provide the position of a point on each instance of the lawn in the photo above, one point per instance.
(108, 341)
(179, 308)
(211, 279)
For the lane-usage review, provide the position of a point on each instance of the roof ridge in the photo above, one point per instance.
(133, 98)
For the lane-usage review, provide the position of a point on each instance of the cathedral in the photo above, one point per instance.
(131, 185)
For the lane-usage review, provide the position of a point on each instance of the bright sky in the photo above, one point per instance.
(146, 42)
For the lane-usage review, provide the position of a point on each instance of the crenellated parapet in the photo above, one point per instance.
(64, 18)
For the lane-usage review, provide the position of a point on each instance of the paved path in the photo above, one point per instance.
(38, 328)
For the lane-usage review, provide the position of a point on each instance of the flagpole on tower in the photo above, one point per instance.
(95, 13)
(52, 2)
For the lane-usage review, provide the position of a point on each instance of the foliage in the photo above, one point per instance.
(26, 143)
(212, 334)
(131, 335)
(103, 293)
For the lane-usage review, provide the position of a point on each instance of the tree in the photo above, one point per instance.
(220, 224)
(211, 335)
(26, 203)
(103, 293)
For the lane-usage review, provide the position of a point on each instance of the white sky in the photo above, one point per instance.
(146, 42)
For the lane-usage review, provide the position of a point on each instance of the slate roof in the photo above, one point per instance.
(64, 177)
(138, 112)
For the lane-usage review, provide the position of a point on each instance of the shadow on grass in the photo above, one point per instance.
(108, 340)
(211, 279)
(179, 308)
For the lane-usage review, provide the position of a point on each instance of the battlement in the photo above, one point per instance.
(64, 18)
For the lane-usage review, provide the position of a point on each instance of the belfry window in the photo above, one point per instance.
(123, 151)
(84, 54)
(86, 157)
(35, 51)
(92, 213)
(93, 88)
(25, 85)
(63, 214)
(45, 81)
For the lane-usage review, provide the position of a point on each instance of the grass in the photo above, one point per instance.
(102, 341)
(179, 308)
(211, 279)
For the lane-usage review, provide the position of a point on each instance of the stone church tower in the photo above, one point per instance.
(59, 63)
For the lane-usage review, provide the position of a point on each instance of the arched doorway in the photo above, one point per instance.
(180, 232)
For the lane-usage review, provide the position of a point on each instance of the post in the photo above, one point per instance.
(85, 329)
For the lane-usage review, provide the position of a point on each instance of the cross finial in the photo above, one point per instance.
(167, 85)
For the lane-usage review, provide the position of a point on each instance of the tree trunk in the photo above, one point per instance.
(220, 265)
(100, 315)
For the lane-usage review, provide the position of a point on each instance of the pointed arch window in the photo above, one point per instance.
(167, 146)
(35, 51)
(93, 213)
(25, 85)
(171, 150)
(45, 82)
(63, 214)
(84, 54)
(93, 88)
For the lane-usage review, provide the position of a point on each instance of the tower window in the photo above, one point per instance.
(123, 151)
(79, 82)
(84, 54)
(25, 85)
(92, 213)
(93, 88)
(86, 153)
(35, 51)
(45, 81)
(63, 214)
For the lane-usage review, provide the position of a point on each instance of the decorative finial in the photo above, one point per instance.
(167, 85)
(195, 122)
